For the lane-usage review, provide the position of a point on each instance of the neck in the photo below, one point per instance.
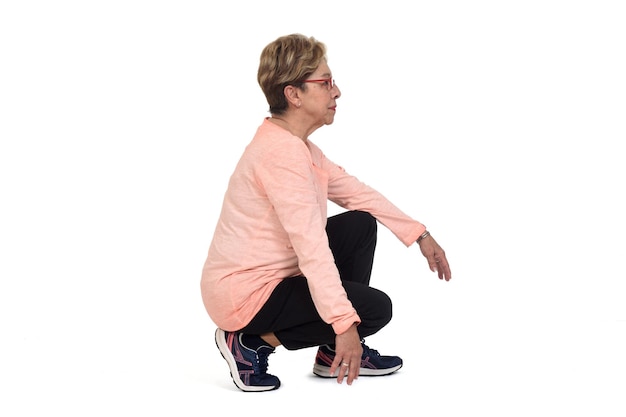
(289, 126)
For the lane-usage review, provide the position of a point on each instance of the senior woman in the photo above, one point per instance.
(278, 271)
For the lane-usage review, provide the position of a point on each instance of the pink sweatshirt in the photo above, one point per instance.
(272, 227)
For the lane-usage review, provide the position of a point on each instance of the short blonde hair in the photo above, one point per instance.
(287, 61)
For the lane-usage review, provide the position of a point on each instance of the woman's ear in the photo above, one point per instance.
(292, 94)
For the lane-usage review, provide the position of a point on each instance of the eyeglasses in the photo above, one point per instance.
(329, 83)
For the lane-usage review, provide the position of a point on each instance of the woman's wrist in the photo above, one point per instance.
(423, 236)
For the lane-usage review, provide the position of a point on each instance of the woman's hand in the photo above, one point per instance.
(436, 257)
(348, 352)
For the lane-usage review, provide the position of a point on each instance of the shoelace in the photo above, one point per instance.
(367, 351)
(261, 364)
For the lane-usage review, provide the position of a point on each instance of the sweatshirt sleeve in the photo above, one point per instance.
(287, 175)
(350, 193)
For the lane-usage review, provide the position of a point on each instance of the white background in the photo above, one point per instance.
(498, 124)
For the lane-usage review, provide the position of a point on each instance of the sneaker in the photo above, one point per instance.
(248, 367)
(372, 362)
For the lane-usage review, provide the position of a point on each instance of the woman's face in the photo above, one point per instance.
(319, 101)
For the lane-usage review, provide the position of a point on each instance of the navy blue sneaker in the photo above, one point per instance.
(372, 362)
(248, 367)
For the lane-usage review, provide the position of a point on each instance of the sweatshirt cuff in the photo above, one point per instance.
(341, 326)
(415, 233)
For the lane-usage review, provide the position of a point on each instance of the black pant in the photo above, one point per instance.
(290, 313)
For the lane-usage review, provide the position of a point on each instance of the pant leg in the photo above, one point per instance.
(352, 238)
(290, 313)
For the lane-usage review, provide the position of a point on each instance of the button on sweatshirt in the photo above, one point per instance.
(273, 226)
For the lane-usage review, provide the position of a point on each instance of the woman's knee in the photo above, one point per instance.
(385, 307)
(378, 309)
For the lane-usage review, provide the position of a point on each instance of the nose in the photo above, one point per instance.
(336, 91)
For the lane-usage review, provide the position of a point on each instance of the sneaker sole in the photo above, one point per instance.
(324, 371)
(220, 341)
